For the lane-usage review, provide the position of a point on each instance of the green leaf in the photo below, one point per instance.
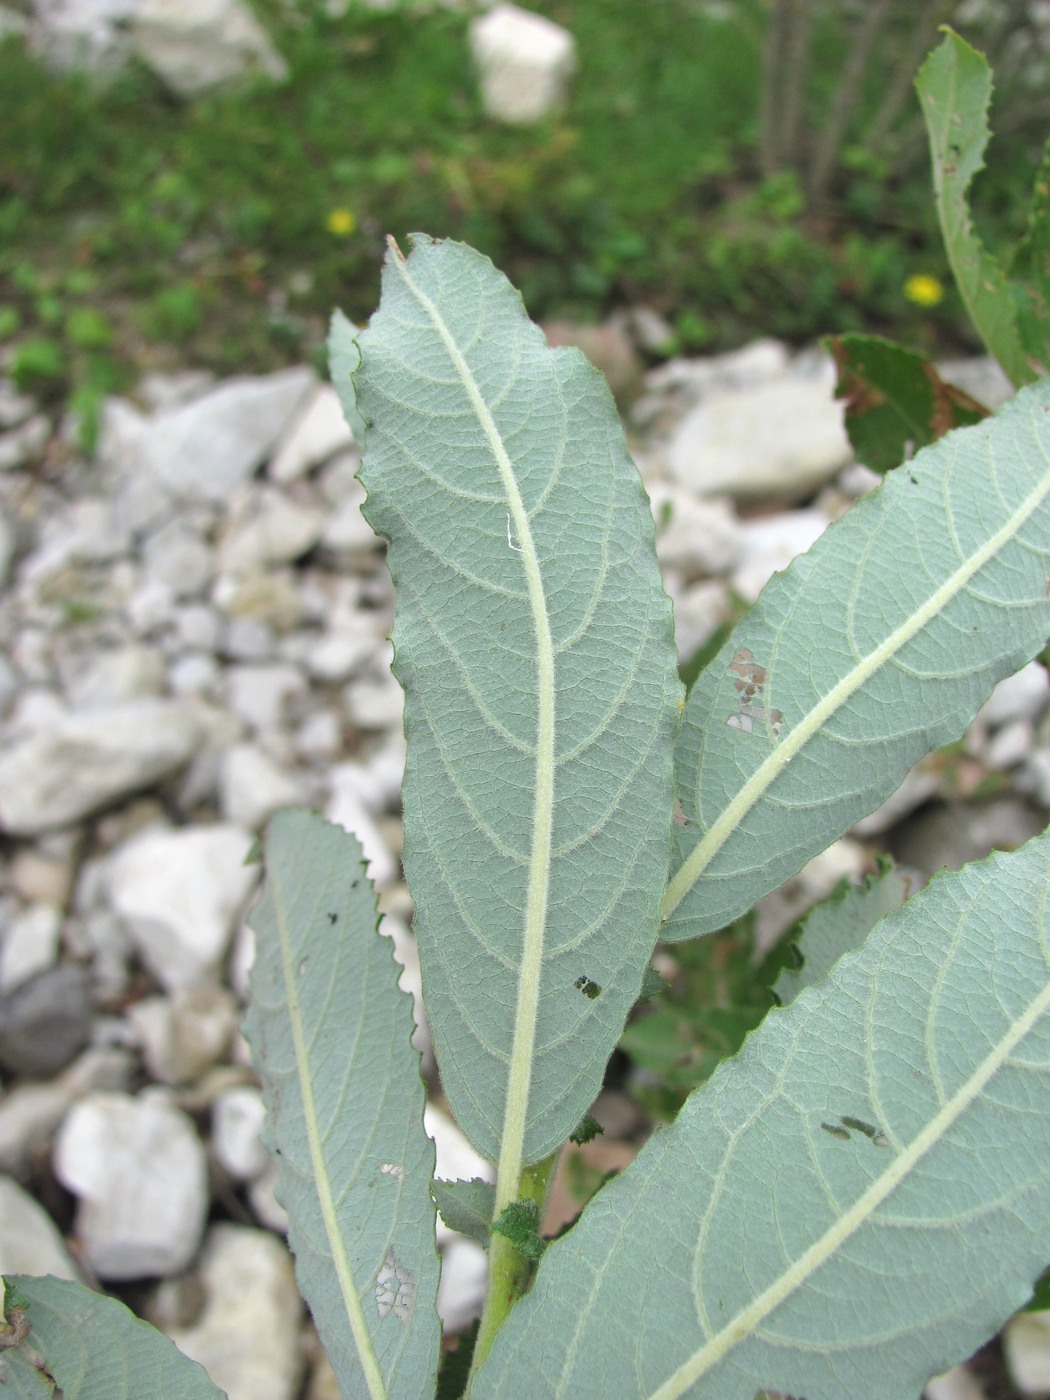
(955, 88)
(839, 924)
(896, 402)
(343, 359)
(466, 1206)
(92, 1347)
(856, 1201)
(586, 1130)
(653, 983)
(877, 646)
(1030, 272)
(520, 1223)
(455, 1364)
(534, 642)
(330, 1035)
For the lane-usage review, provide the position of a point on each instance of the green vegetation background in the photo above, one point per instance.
(138, 231)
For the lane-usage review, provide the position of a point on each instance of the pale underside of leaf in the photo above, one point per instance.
(838, 925)
(877, 646)
(95, 1349)
(533, 639)
(854, 1203)
(330, 1033)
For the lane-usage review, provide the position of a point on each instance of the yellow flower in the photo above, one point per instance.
(341, 222)
(923, 289)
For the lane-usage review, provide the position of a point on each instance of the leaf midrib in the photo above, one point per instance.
(741, 1327)
(527, 1007)
(322, 1180)
(764, 775)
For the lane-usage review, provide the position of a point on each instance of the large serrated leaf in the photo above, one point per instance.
(533, 639)
(837, 925)
(330, 1035)
(854, 1203)
(955, 89)
(92, 1347)
(466, 1206)
(877, 646)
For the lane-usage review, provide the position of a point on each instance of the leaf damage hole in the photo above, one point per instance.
(304, 963)
(750, 685)
(333, 918)
(848, 1125)
(590, 989)
(392, 1169)
(395, 1288)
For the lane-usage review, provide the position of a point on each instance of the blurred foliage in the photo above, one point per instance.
(716, 992)
(140, 231)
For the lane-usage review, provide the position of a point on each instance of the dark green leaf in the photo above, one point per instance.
(896, 402)
(520, 1222)
(587, 1130)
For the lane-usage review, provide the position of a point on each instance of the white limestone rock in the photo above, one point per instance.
(248, 639)
(980, 376)
(81, 34)
(918, 784)
(1035, 776)
(43, 876)
(30, 945)
(15, 407)
(956, 1384)
(87, 531)
(525, 62)
(770, 543)
(338, 655)
(30, 1113)
(108, 678)
(252, 787)
(237, 1119)
(271, 596)
(775, 441)
(78, 763)
(8, 545)
(20, 445)
(1009, 745)
(272, 529)
(461, 1291)
(320, 431)
(182, 1036)
(205, 449)
(140, 1174)
(697, 539)
(193, 45)
(176, 556)
(698, 613)
(406, 952)
(1026, 1345)
(262, 1193)
(29, 1239)
(374, 702)
(179, 894)
(347, 809)
(265, 696)
(247, 1338)
(1023, 695)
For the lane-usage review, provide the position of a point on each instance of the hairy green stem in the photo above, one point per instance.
(510, 1273)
